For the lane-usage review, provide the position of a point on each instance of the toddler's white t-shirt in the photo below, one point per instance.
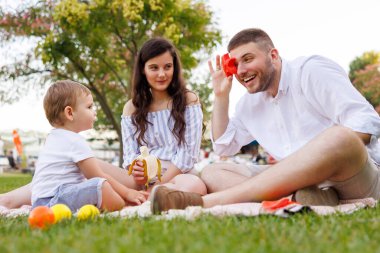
(56, 164)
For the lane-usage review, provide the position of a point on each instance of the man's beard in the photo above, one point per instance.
(268, 77)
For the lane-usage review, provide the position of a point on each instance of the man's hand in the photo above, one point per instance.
(220, 83)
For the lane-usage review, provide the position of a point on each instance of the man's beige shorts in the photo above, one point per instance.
(365, 184)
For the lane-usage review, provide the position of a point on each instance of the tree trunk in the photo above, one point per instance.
(111, 117)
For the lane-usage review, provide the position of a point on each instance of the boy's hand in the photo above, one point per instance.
(135, 197)
(138, 174)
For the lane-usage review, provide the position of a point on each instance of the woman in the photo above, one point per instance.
(162, 115)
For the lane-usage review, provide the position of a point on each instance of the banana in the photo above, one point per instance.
(151, 165)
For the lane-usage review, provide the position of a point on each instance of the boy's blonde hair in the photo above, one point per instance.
(61, 94)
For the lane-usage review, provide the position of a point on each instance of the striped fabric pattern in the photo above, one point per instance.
(161, 141)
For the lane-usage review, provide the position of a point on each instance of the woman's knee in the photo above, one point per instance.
(209, 174)
(189, 183)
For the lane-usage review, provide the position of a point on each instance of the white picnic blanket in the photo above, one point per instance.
(242, 209)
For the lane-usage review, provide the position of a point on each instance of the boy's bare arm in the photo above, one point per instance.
(90, 168)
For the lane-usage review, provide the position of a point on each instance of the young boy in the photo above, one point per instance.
(66, 170)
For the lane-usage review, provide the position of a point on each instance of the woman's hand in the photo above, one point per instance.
(220, 83)
(138, 173)
(135, 197)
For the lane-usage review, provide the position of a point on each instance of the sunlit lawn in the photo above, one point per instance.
(358, 232)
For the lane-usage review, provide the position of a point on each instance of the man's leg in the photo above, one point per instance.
(221, 176)
(336, 154)
(191, 187)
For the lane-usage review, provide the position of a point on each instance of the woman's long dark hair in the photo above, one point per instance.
(142, 97)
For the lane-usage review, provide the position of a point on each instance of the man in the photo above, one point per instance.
(305, 113)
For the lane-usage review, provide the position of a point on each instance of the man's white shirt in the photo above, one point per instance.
(314, 94)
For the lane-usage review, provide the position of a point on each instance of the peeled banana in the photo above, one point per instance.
(151, 165)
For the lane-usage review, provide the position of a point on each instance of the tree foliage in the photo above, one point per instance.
(364, 74)
(367, 81)
(360, 62)
(95, 42)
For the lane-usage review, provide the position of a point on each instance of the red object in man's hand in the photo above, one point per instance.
(228, 64)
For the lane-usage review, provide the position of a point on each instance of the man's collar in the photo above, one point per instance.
(284, 85)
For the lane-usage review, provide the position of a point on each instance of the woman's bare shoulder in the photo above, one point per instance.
(191, 98)
(128, 108)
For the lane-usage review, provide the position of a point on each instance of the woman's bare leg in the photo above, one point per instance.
(187, 183)
(17, 197)
(119, 174)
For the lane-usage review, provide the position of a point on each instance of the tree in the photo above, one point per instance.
(360, 62)
(95, 42)
(365, 76)
(204, 92)
(367, 81)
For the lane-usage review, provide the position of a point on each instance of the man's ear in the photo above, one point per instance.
(274, 54)
(69, 113)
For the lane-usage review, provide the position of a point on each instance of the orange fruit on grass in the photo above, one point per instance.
(41, 217)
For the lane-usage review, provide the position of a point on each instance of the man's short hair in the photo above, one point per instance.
(61, 94)
(255, 35)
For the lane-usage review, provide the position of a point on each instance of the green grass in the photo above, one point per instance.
(358, 232)
(9, 181)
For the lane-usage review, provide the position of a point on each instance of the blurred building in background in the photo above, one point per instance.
(103, 145)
